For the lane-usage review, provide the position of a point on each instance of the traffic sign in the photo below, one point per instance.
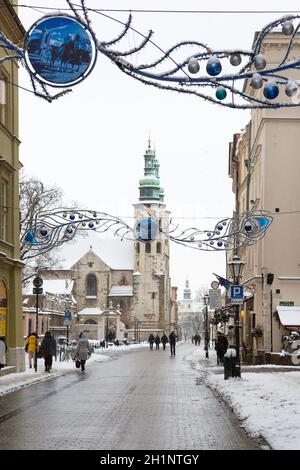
(215, 298)
(38, 281)
(68, 315)
(237, 294)
(215, 285)
(37, 290)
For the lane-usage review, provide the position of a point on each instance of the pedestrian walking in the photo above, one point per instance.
(172, 340)
(196, 339)
(157, 341)
(151, 340)
(164, 340)
(31, 346)
(221, 346)
(48, 349)
(3, 349)
(83, 351)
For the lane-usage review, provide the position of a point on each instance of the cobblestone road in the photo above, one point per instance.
(139, 400)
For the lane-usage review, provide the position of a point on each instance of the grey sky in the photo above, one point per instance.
(91, 143)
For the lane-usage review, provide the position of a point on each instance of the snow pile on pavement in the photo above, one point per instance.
(267, 403)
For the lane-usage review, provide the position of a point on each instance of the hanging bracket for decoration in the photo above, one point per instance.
(60, 50)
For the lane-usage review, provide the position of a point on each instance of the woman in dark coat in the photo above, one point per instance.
(151, 340)
(164, 340)
(221, 346)
(48, 349)
(157, 341)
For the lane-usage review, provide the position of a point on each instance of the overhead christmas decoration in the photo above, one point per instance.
(52, 229)
(60, 51)
(228, 234)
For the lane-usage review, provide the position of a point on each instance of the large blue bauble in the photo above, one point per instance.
(271, 91)
(146, 229)
(213, 66)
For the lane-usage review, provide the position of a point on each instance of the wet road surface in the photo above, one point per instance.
(138, 400)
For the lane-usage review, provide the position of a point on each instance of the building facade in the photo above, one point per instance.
(11, 323)
(265, 168)
(190, 314)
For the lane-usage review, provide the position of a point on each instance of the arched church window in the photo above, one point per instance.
(138, 247)
(158, 247)
(90, 322)
(148, 247)
(91, 286)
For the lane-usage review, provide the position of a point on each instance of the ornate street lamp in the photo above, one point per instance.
(206, 300)
(236, 266)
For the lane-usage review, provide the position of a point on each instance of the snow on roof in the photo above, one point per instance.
(90, 311)
(117, 254)
(58, 286)
(120, 291)
(289, 316)
(52, 286)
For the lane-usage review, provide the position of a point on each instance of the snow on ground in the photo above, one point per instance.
(266, 401)
(12, 382)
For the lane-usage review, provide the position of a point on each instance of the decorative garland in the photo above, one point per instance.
(52, 229)
(57, 59)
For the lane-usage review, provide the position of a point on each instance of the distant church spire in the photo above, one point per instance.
(187, 293)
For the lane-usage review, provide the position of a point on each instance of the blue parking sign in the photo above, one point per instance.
(237, 294)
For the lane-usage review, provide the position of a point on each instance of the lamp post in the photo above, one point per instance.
(236, 266)
(206, 299)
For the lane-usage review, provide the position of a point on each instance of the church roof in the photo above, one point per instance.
(121, 291)
(117, 254)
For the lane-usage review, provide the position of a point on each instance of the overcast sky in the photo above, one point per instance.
(91, 142)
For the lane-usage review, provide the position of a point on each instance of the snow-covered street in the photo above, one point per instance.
(266, 398)
(12, 382)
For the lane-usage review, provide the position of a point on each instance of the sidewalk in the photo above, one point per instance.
(265, 398)
(14, 381)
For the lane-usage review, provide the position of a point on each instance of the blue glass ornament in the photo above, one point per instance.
(43, 232)
(221, 93)
(72, 216)
(271, 91)
(146, 229)
(213, 66)
(59, 50)
(220, 227)
(69, 230)
(220, 243)
(91, 225)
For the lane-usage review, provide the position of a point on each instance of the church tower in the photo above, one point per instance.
(187, 293)
(151, 278)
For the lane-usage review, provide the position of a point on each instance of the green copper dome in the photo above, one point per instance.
(150, 180)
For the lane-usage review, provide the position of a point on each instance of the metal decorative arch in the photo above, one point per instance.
(183, 77)
(52, 229)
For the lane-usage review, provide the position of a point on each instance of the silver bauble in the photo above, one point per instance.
(288, 28)
(291, 88)
(260, 61)
(235, 59)
(193, 65)
(256, 81)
